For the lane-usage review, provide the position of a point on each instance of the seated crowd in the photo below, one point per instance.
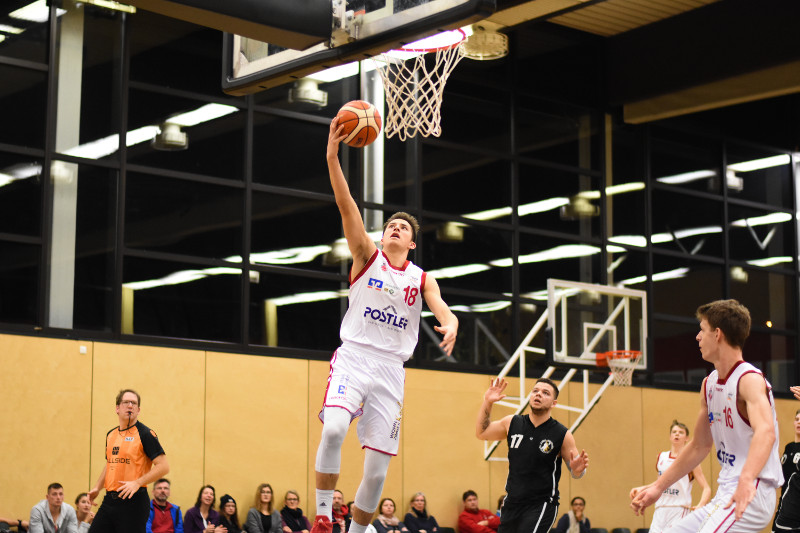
(53, 515)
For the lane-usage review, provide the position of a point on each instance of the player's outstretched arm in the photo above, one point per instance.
(485, 429)
(447, 320)
(691, 456)
(359, 242)
(577, 462)
(753, 391)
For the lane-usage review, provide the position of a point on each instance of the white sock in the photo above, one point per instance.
(325, 502)
(355, 527)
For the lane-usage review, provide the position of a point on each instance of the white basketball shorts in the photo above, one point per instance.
(369, 386)
(664, 517)
(713, 517)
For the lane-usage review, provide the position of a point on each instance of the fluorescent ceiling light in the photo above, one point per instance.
(458, 271)
(769, 261)
(659, 238)
(544, 205)
(37, 11)
(772, 218)
(307, 297)
(613, 189)
(759, 164)
(202, 114)
(564, 251)
(110, 4)
(660, 276)
(182, 276)
(289, 256)
(687, 177)
(631, 240)
(10, 29)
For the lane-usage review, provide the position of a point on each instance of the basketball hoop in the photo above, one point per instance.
(622, 363)
(413, 88)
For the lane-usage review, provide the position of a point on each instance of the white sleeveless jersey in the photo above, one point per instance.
(732, 432)
(385, 307)
(680, 493)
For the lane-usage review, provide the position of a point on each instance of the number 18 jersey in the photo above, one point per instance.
(385, 308)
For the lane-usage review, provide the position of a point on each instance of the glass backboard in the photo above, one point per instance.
(361, 29)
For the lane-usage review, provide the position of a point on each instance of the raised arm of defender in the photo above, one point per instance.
(485, 429)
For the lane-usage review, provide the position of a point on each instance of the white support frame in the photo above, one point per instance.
(520, 402)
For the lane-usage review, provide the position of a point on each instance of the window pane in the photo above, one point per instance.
(770, 185)
(561, 135)
(291, 153)
(775, 355)
(686, 224)
(677, 358)
(180, 300)
(762, 238)
(467, 257)
(24, 104)
(280, 308)
(94, 248)
(297, 232)
(447, 174)
(549, 200)
(180, 216)
(399, 172)
(685, 161)
(681, 285)
(214, 145)
(476, 116)
(19, 282)
(770, 297)
(543, 257)
(20, 194)
(30, 44)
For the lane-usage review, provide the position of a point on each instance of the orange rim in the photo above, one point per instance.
(603, 357)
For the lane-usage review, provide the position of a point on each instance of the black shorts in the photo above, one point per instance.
(122, 516)
(788, 517)
(537, 517)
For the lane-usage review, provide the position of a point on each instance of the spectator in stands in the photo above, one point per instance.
(294, 520)
(228, 514)
(473, 519)
(263, 517)
(575, 520)
(417, 520)
(387, 522)
(202, 518)
(52, 514)
(83, 512)
(165, 517)
(21, 525)
(341, 513)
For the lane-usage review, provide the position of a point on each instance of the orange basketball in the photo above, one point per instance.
(361, 121)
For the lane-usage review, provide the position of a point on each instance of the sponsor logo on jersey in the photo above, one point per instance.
(388, 315)
(391, 289)
(375, 284)
(796, 458)
(396, 424)
(115, 450)
(129, 439)
(120, 460)
(546, 446)
(384, 267)
(724, 457)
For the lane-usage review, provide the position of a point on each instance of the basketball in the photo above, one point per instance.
(361, 121)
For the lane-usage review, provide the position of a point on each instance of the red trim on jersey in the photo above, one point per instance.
(705, 392)
(377, 450)
(722, 381)
(422, 282)
(366, 266)
(744, 418)
(394, 267)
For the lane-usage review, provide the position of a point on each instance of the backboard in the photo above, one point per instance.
(361, 29)
(586, 319)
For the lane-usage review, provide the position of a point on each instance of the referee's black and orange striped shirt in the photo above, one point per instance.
(130, 454)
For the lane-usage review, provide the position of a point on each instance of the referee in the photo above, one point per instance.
(134, 459)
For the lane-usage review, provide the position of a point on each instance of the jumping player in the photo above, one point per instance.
(379, 333)
(134, 459)
(737, 415)
(676, 501)
(787, 519)
(537, 443)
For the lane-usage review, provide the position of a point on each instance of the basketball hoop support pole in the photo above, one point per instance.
(520, 403)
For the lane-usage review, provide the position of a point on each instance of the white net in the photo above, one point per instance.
(622, 365)
(414, 90)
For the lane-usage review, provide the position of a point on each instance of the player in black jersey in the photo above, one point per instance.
(788, 516)
(537, 444)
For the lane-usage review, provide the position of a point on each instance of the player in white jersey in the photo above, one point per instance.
(676, 501)
(737, 416)
(379, 333)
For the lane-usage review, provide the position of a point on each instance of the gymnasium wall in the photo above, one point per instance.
(235, 421)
